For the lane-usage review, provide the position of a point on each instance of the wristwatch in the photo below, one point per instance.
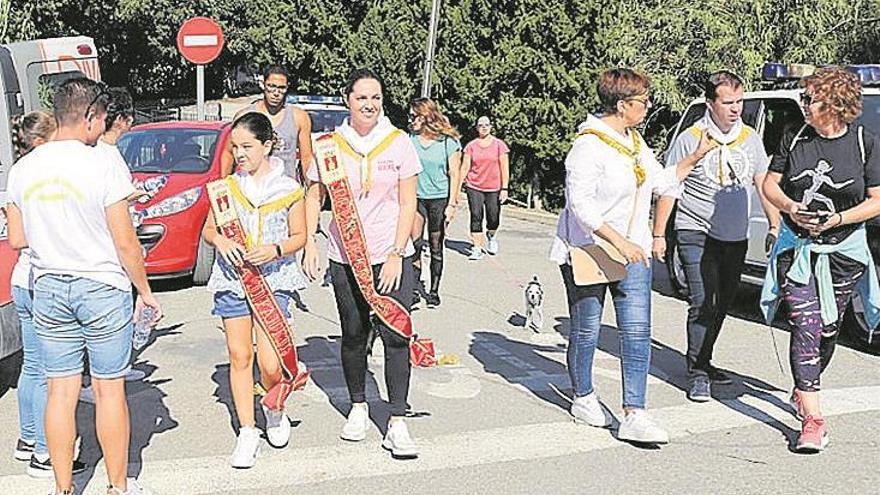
(399, 251)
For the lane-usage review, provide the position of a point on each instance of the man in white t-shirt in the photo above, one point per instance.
(68, 203)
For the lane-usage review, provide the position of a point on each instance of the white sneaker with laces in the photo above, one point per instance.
(492, 245)
(277, 428)
(589, 410)
(398, 441)
(355, 428)
(132, 488)
(476, 253)
(638, 426)
(246, 448)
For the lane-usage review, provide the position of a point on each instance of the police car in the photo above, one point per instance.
(772, 112)
(326, 112)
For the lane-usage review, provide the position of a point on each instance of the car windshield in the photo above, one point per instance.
(871, 113)
(327, 120)
(169, 150)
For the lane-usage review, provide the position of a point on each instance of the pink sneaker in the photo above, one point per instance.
(814, 435)
(795, 402)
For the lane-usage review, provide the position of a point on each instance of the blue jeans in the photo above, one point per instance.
(73, 315)
(712, 269)
(32, 383)
(632, 305)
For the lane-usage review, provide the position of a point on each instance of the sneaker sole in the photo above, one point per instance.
(398, 456)
(641, 441)
(811, 448)
(699, 398)
(21, 455)
(358, 438)
(40, 473)
(722, 382)
(585, 422)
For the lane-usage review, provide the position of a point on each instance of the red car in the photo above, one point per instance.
(174, 160)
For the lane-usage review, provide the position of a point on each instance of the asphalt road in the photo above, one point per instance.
(495, 423)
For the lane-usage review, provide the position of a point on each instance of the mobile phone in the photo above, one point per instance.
(820, 215)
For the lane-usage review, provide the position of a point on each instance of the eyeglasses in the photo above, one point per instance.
(644, 101)
(413, 116)
(484, 125)
(102, 91)
(807, 99)
(273, 88)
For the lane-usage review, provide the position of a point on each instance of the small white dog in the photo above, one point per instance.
(534, 295)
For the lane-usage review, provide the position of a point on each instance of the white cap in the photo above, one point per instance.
(484, 121)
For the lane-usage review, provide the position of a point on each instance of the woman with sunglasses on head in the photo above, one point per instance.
(610, 177)
(486, 171)
(825, 179)
(369, 169)
(439, 186)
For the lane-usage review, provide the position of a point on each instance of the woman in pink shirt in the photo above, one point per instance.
(486, 170)
(381, 168)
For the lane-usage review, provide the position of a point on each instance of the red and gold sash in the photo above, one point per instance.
(332, 174)
(258, 293)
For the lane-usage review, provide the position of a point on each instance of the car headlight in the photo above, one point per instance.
(174, 204)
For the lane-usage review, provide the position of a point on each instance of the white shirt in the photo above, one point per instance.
(600, 188)
(62, 189)
(111, 151)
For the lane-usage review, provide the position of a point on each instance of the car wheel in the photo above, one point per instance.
(676, 270)
(854, 328)
(204, 262)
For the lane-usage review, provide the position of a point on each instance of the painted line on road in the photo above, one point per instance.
(290, 467)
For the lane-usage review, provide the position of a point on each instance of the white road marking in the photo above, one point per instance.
(290, 467)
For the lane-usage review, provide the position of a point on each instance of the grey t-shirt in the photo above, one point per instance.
(715, 198)
(287, 133)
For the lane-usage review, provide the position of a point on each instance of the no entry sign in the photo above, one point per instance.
(200, 40)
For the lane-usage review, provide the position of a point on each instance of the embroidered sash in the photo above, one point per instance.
(633, 154)
(258, 293)
(332, 174)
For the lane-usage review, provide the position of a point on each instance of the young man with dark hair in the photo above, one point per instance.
(293, 128)
(713, 218)
(69, 205)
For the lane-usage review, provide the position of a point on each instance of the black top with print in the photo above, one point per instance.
(827, 174)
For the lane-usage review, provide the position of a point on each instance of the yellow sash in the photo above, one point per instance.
(632, 154)
(366, 171)
(740, 139)
(262, 210)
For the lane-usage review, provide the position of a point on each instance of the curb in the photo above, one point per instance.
(536, 216)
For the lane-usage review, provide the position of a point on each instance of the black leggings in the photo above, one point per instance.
(488, 201)
(434, 213)
(354, 317)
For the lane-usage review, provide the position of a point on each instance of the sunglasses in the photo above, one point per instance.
(273, 88)
(413, 116)
(102, 91)
(806, 98)
(644, 101)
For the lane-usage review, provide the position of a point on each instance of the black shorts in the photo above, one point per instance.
(434, 213)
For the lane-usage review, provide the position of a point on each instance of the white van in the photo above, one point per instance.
(29, 73)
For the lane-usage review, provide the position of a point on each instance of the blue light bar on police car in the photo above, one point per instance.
(868, 74)
(774, 71)
(321, 100)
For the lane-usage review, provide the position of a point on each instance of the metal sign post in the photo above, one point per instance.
(429, 50)
(200, 92)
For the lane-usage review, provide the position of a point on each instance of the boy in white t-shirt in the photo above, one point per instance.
(68, 203)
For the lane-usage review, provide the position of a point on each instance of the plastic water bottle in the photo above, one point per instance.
(142, 328)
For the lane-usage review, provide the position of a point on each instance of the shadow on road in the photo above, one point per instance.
(461, 247)
(523, 364)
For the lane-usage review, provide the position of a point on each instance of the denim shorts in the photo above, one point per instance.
(228, 305)
(74, 315)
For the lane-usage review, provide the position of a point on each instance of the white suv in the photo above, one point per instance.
(772, 112)
(326, 112)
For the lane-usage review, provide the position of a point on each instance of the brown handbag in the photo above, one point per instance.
(600, 262)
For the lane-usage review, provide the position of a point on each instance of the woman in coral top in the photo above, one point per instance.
(486, 169)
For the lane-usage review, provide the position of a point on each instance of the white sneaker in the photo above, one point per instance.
(492, 245)
(476, 254)
(589, 410)
(639, 427)
(398, 441)
(277, 428)
(246, 448)
(132, 488)
(355, 428)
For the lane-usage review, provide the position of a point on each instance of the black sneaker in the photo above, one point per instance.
(719, 377)
(699, 390)
(23, 450)
(416, 298)
(40, 469)
(432, 299)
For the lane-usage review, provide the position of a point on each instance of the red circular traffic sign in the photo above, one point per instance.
(200, 40)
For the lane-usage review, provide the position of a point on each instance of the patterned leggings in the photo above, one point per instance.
(812, 342)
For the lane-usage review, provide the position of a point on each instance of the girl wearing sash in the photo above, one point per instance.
(380, 166)
(825, 179)
(270, 207)
(439, 150)
(610, 177)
